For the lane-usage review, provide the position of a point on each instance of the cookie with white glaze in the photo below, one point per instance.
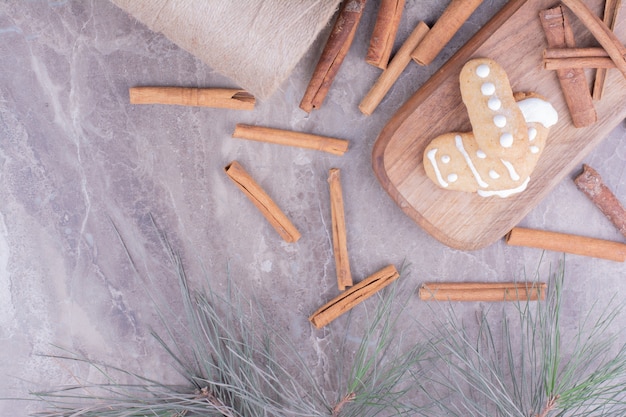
(466, 161)
(497, 123)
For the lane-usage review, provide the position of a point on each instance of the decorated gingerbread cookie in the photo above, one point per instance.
(508, 135)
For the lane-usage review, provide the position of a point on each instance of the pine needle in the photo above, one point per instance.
(528, 373)
(236, 364)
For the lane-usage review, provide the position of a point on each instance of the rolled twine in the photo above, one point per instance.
(256, 43)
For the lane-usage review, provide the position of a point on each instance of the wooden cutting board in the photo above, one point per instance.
(515, 39)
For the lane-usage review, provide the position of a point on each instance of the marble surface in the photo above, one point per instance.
(83, 173)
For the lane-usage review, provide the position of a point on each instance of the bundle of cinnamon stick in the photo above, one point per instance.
(568, 61)
(611, 9)
(559, 34)
(422, 46)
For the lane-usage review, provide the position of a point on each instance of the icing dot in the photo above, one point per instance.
(494, 175)
(482, 70)
(499, 120)
(487, 89)
(534, 149)
(506, 140)
(481, 154)
(532, 133)
(453, 177)
(494, 103)
(445, 159)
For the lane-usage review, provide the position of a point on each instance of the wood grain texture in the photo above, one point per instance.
(515, 39)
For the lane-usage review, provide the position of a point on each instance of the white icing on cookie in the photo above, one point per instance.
(481, 154)
(459, 145)
(445, 159)
(494, 103)
(532, 133)
(452, 177)
(534, 149)
(538, 111)
(506, 140)
(431, 157)
(505, 193)
(487, 89)
(482, 70)
(499, 120)
(493, 174)
(512, 173)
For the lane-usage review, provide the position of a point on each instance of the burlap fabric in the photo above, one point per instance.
(256, 43)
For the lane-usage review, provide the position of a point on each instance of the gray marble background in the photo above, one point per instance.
(82, 172)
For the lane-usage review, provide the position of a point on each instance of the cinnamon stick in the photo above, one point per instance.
(384, 33)
(589, 62)
(483, 291)
(226, 98)
(590, 183)
(340, 241)
(562, 242)
(389, 76)
(263, 202)
(600, 31)
(573, 82)
(334, 52)
(555, 58)
(453, 17)
(611, 8)
(353, 296)
(556, 53)
(289, 138)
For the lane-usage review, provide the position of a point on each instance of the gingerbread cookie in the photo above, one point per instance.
(508, 136)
